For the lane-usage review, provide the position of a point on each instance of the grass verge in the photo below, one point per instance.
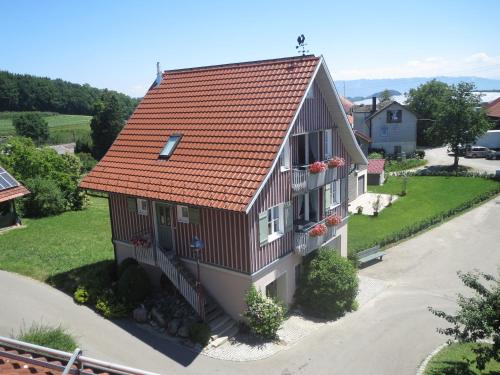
(454, 359)
(48, 336)
(429, 200)
(396, 166)
(61, 250)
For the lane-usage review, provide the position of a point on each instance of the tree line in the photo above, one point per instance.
(24, 92)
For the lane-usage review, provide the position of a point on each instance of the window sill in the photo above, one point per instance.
(284, 169)
(332, 207)
(273, 237)
(184, 221)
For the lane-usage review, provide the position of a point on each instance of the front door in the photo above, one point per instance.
(164, 225)
(361, 185)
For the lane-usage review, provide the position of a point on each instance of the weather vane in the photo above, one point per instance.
(301, 45)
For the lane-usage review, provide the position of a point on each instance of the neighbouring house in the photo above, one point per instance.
(376, 174)
(493, 112)
(390, 126)
(357, 180)
(228, 165)
(10, 189)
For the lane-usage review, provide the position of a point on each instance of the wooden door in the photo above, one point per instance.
(164, 226)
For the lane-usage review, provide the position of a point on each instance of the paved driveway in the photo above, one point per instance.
(391, 334)
(439, 156)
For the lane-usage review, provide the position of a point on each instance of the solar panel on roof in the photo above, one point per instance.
(6, 180)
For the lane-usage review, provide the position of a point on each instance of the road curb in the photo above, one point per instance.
(423, 365)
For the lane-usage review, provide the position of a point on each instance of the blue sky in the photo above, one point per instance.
(116, 44)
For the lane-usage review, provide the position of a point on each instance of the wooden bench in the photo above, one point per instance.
(370, 254)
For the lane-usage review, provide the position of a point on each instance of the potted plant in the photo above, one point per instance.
(336, 162)
(318, 230)
(333, 220)
(317, 167)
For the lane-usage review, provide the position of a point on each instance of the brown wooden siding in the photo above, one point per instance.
(127, 223)
(225, 234)
(314, 116)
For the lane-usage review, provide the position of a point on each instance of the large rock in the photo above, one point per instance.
(173, 326)
(140, 314)
(158, 317)
(183, 331)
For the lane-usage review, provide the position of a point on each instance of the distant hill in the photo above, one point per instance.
(376, 94)
(24, 92)
(359, 89)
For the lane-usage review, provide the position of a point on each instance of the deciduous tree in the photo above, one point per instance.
(33, 126)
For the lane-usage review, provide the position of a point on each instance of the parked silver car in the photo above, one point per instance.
(493, 155)
(476, 152)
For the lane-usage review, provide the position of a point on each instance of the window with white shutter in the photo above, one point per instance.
(327, 144)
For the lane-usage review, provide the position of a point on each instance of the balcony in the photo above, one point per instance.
(303, 180)
(305, 243)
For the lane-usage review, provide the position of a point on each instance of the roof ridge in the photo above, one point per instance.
(244, 63)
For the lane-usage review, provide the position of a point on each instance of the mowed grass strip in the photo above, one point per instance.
(62, 128)
(56, 245)
(426, 197)
(453, 360)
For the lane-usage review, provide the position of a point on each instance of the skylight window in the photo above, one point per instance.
(169, 148)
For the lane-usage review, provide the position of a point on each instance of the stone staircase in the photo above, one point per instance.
(221, 324)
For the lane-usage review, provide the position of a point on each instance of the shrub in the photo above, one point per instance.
(109, 306)
(134, 285)
(375, 155)
(200, 333)
(51, 337)
(32, 125)
(420, 154)
(395, 166)
(126, 264)
(264, 315)
(328, 285)
(87, 160)
(81, 295)
(46, 198)
(83, 145)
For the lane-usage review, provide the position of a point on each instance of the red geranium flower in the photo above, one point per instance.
(318, 230)
(317, 167)
(333, 220)
(336, 162)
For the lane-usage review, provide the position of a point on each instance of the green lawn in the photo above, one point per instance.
(61, 249)
(62, 128)
(396, 166)
(426, 197)
(452, 360)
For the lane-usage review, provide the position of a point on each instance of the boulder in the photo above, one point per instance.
(140, 314)
(178, 313)
(158, 317)
(173, 326)
(183, 331)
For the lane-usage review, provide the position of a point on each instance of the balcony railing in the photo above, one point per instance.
(303, 180)
(304, 243)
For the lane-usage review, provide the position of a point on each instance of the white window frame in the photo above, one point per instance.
(142, 206)
(328, 144)
(335, 194)
(278, 223)
(384, 131)
(285, 156)
(180, 214)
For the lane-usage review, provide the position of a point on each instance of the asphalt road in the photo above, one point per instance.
(391, 334)
(439, 156)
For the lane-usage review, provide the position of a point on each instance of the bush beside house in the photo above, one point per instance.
(328, 286)
(263, 315)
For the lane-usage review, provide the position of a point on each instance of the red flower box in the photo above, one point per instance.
(318, 230)
(317, 167)
(140, 242)
(336, 162)
(333, 220)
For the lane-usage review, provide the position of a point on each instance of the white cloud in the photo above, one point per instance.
(480, 64)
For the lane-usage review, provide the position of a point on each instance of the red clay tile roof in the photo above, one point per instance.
(233, 119)
(376, 166)
(15, 192)
(346, 104)
(493, 108)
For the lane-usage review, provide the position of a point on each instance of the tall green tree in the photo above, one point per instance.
(426, 101)
(385, 96)
(460, 119)
(106, 123)
(33, 126)
(477, 317)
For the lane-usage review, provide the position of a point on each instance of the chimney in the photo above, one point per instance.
(374, 103)
(158, 74)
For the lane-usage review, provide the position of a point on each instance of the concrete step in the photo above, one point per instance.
(218, 323)
(214, 314)
(220, 339)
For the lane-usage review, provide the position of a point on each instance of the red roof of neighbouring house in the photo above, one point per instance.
(362, 135)
(376, 166)
(493, 108)
(233, 119)
(346, 104)
(10, 188)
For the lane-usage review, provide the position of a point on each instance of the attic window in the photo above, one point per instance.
(169, 148)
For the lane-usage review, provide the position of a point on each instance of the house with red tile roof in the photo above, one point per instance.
(376, 173)
(493, 112)
(10, 189)
(228, 168)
